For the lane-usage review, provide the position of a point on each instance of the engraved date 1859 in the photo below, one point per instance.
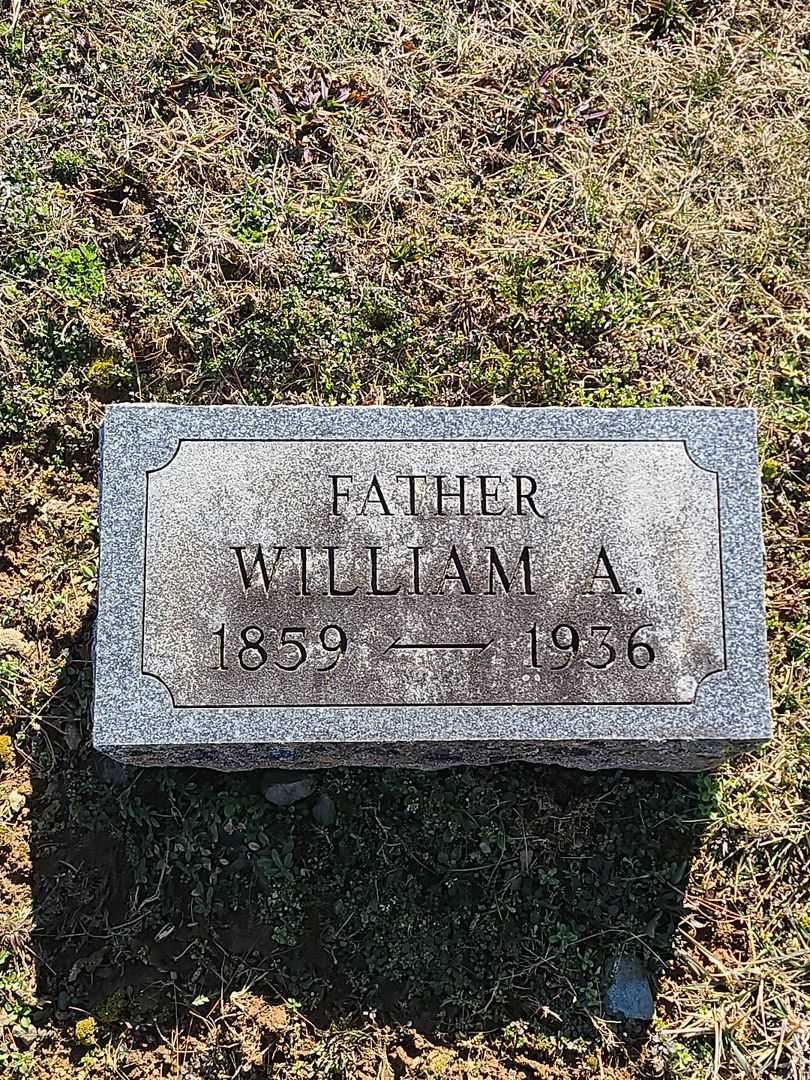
(292, 650)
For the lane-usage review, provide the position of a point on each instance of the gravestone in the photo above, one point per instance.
(304, 587)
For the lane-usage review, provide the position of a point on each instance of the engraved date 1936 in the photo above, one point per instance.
(597, 646)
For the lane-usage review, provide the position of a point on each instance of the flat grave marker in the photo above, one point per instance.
(316, 586)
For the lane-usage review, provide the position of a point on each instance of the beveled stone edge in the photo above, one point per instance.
(668, 755)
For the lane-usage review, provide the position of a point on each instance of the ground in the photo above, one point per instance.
(388, 202)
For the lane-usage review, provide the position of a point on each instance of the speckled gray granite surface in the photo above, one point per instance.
(428, 587)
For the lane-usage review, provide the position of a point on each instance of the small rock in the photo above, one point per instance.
(324, 811)
(628, 995)
(12, 641)
(16, 801)
(292, 791)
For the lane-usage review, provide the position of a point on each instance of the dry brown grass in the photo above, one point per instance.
(554, 203)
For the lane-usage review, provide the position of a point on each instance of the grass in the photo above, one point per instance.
(446, 203)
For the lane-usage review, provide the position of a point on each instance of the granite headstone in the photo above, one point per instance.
(303, 586)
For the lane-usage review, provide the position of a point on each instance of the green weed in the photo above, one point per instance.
(15, 1005)
(67, 165)
(254, 215)
(77, 274)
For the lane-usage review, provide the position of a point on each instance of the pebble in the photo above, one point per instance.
(16, 801)
(628, 994)
(324, 811)
(289, 792)
(12, 641)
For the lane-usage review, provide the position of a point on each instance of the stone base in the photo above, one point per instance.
(671, 756)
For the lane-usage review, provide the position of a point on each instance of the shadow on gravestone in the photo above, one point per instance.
(451, 901)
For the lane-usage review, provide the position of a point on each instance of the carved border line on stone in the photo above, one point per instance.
(149, 472)
(716, 475)
(441, 704)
